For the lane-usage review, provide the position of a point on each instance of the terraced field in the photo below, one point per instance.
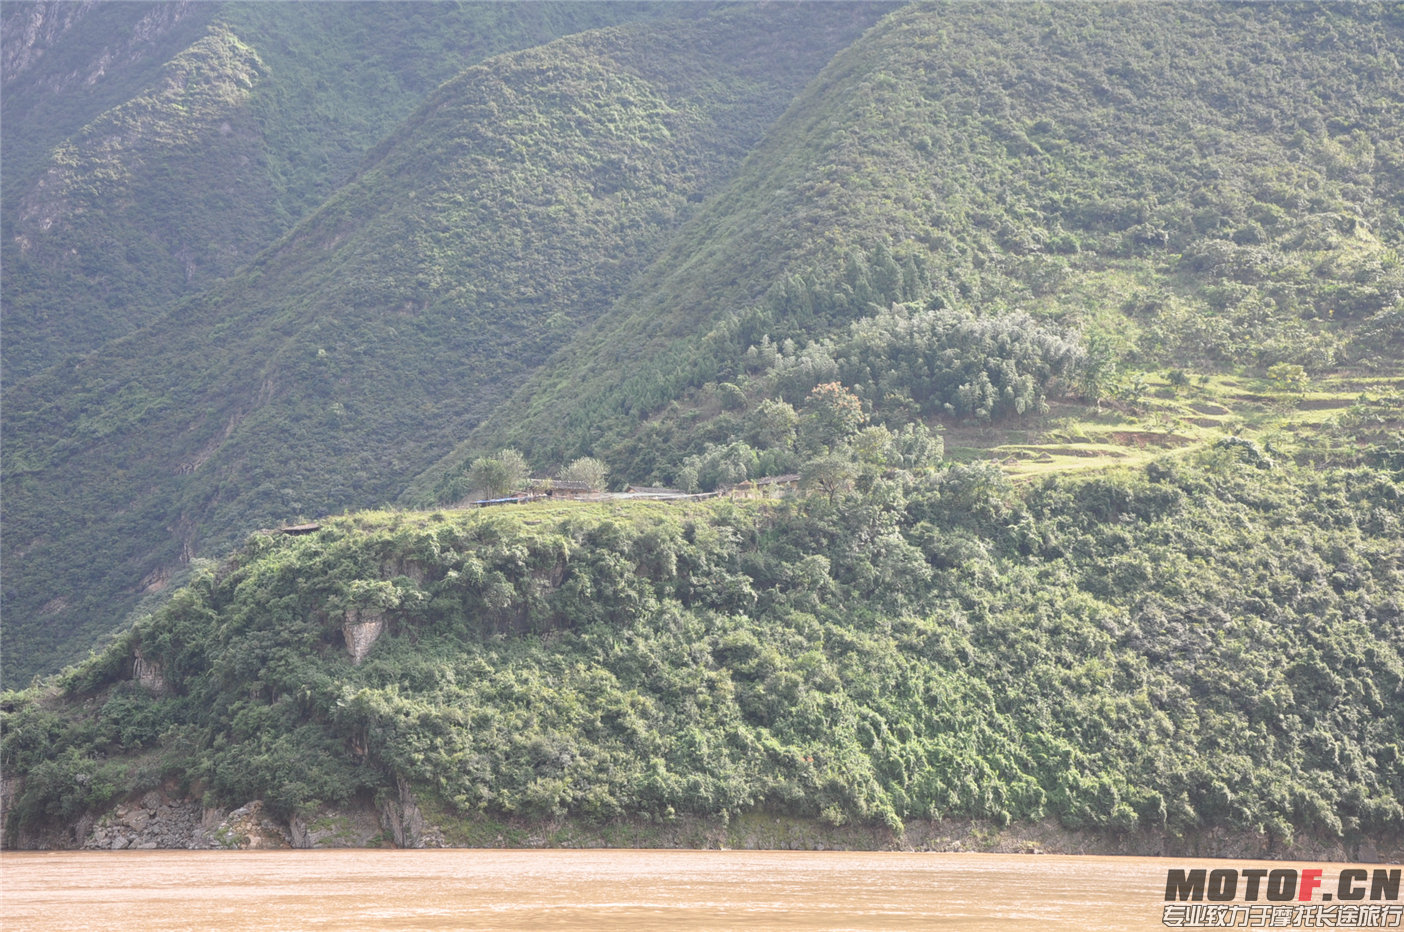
(1326, 420)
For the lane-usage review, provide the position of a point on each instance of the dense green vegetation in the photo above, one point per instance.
(513, 206)
(151, 149)
(936, 265)
(1212, 641)
(1200, 186)
(580, 249)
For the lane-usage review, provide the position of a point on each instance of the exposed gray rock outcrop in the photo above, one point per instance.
(154, 821)
(249, 827)
(149, 675)
(362, 628)
(405, 823)
(337, 828)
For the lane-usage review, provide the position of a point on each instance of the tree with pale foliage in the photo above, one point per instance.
(773, 425)
(832, 415)
(499, 475)
(588, 470)
(829, 473)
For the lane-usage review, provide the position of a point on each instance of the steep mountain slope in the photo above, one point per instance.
(150, 149)
(1115, 174)
(1203, 186)
(64, 64)
(511, 208)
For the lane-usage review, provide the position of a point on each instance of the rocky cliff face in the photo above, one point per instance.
(166, 819)
(162, 820)
(31, 29)
(405, 823)
(158, 820)
(362, 628)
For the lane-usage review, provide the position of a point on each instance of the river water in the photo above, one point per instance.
(567, 890)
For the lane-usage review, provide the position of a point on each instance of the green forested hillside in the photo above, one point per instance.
(621, 200)
(1211, 644)
(151, 149)
(511, 208)
(1075, 331)
(1200, 187)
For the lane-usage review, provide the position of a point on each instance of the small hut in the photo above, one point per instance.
(300, 528)
(560, 488)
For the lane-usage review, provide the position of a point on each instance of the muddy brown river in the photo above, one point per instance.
(599, 889)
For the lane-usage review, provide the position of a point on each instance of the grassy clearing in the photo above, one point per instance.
(1328, 417)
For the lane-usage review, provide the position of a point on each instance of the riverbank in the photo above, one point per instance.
(160, 821)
